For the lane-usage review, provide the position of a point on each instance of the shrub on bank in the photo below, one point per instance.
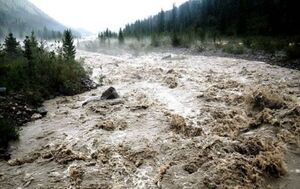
(266, 44)
(233, 48)
(155, 41)
(37, 74)
(293, 51)
(7, 132)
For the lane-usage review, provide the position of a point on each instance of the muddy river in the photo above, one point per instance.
(182, 121)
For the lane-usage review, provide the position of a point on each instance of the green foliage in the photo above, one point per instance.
(155, 41)
(28, 50)
(216, 18)
(68, 48)
(233, 48)
(106, 35)
(161, 22)
(202, 34)
(175, 40)
(293, 51)
(121, 37)
(200, 47)
(8, 132)
(266, 44)
(11, 45)
(38, 74)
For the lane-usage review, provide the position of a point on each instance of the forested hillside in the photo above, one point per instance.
(223, 17)
(21, 17)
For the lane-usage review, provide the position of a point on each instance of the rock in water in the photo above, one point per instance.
(166, 57)
(42, 110)
(109, 94)
(2, 91)
(36, 116)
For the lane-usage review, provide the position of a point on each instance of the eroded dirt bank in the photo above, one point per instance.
(182, 121)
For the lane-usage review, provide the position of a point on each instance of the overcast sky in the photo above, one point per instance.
(96, 15)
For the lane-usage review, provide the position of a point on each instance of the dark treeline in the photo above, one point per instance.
(222, 17)
(44, 34)
(106, 35)
(48, 34)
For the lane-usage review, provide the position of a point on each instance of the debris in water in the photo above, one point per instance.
(106, 125)
(162, 171)
(171, 82)
(63, 154)
(30, 158)
(177, 123)
(264, 97)
(75, 174)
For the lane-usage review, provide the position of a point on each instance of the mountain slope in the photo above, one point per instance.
(21, 16)
(223, 17)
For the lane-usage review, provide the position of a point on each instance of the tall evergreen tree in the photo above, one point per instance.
(28, 54)
(174, 19)
(33, 41)
(28, 49)
(161, 22)
(121, 37)
(11, 45)
(68, 48)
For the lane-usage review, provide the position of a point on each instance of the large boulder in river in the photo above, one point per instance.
(110, 94)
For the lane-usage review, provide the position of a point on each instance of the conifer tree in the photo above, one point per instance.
(28, 54)
(161, 22)
(121, 37)
(68, 48)
(11, 45)
(174, 19)
(33, 41)
(28, 49)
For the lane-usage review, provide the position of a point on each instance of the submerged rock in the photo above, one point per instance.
(36, 117)
(190, 168)
(110, 94)
(42, 111)
(167, 57)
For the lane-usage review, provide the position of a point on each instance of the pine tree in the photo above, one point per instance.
(30, 46)
(28, 49)
(28, 54)
(121, 37)
(174, 19)
(11, 45)
(33, 41)
(161, 22)
(68, 48)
